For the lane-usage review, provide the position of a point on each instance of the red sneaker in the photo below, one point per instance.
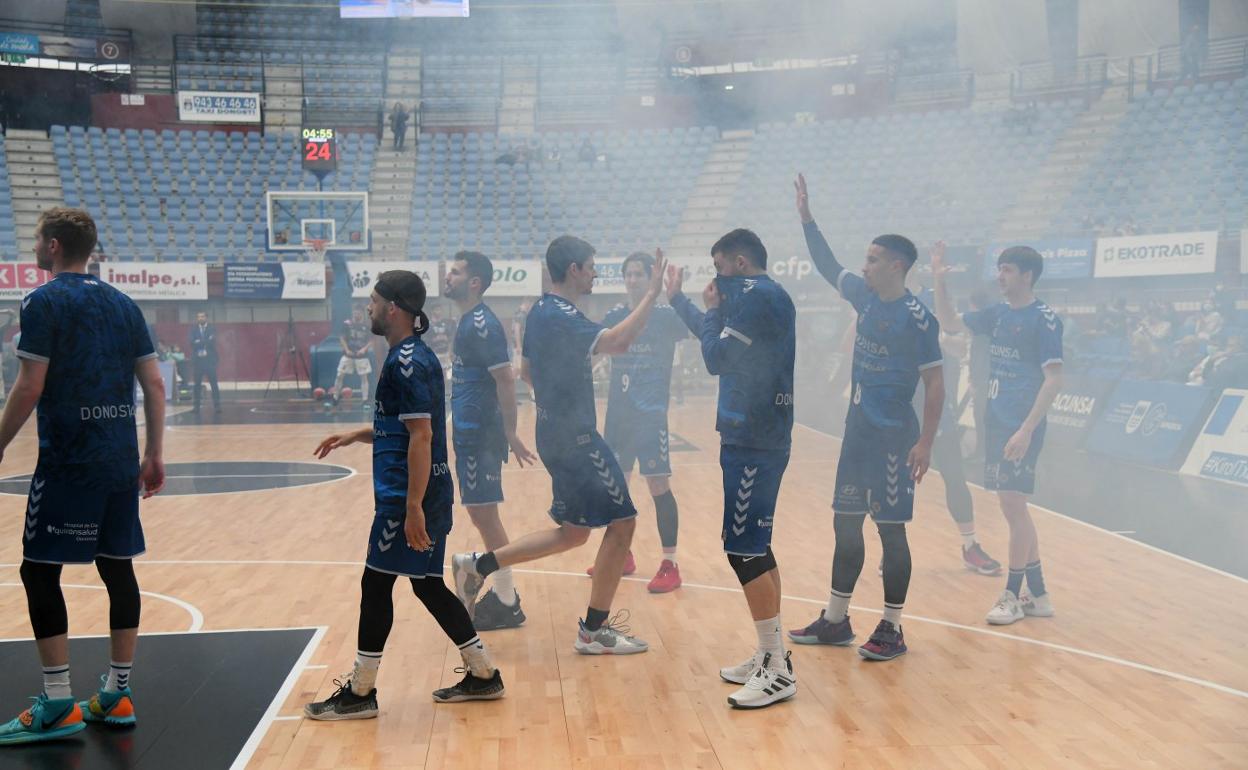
(976, 560)
(630, 566)
(666, 579)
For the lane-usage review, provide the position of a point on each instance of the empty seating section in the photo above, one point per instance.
(461, 89)
(275, 19)
(577, 87)
(8, 233)
(631, 199)
(190, 195)
(1178, 162)
(948, 175)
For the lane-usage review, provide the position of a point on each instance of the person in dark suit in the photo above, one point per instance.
(204, 358)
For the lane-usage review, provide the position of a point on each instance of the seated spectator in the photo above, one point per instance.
(1182, 359)
(587, 153)
(1226, 366)
(1208, 323)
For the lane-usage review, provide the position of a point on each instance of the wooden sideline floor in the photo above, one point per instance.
(1144, 666)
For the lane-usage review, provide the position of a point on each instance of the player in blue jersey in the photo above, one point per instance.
(748, 336)
(947, 448)
(589, 489)
(885, 452)
(1025, 376)
(483, 418)
(83, 344)
(412, 501)
(636, 423)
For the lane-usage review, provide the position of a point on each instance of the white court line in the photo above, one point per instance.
(279, 698)
(819, 602)
(315, 667)
(197, 617)
(1073, 520)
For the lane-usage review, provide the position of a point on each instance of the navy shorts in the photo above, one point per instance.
(641, 438)
(873, 476)
(1001, 475)
(588, 488)
(71, 524)
(480, 474)
(751, 485)
(389, 552)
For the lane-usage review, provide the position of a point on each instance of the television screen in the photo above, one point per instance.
(402, 9)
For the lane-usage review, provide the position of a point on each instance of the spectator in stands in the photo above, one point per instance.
(204, 355)
(1150, 339)
(587, 153)
(1226, 363)
(1182, 359)
(1192, 52)
(1209, 322)
(398, 125)
(1126, 227)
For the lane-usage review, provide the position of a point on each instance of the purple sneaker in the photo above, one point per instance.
(885, 644)
(823, 631)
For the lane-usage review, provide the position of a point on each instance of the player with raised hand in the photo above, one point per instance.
(885, 452)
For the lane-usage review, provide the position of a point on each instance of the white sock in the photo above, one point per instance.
(770, 640)
(670, 554)
(504, 586)
(838, 607)
(892, 613)
(364, 676)
(56, 681)
(476, 658)
(118, 676)
(968, 539)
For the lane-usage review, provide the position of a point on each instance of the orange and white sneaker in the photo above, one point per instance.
(630, 566)
(115, 708)
(667, 579)
(46, 720)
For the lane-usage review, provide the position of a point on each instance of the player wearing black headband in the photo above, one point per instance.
(412, 501)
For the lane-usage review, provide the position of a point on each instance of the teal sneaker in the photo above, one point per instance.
(46, 720)
(111, 708)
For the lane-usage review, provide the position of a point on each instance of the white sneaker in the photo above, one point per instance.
(1037, 606)
(766, 686)
(741, 673)
(611, 639)
(1007, 610)
(467, 582)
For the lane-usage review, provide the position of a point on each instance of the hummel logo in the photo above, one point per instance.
(407, 372)
(38, 483)
(405, 360)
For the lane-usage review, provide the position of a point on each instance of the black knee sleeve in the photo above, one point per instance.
(749, 568)
(124, 602)
(850, 551)
(376, 610)
(896, 562)
(48, 616)
(445, 608)
(668, 517)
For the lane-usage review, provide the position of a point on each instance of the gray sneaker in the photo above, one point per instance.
(467, 582)
(611, 639)
(343, 704)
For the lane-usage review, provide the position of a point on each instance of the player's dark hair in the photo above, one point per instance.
(744, 243)
(564, 252)
(479, 266)
(899, 245)
(72, 228)
(1025, 258)
(647, 262)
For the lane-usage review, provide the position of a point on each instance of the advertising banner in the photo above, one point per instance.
(17, 279)
(1168, 254)
(218, 107)
(1064, 258)
(364, 275)
(19, 43)
(1148, 422)
(1076, 408)
(157, 280)
(285, 280)
(519, 278)
(1221, 449)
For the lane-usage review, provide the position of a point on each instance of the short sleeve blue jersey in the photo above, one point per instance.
(558, 342)
(1022, 342)
(480, 348)
(642, 377)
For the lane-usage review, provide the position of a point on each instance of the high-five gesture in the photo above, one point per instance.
(657, 273)
(675, 279)
(939, 268)
(803, 200)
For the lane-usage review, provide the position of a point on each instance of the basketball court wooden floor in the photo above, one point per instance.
(1144, 666)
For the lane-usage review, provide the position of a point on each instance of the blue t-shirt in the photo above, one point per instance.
(641, 379)
(1022, 343)
(480, 348)
(559, 341)
(411, 386)
(91, 336)
(893, 343)
(749, 341)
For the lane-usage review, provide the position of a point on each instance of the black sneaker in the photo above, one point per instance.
(343, 704)
(491, 614)
(471, 688)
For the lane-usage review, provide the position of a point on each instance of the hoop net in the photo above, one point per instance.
(315, 249)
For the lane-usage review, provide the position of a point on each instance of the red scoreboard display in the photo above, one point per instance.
(320, 150)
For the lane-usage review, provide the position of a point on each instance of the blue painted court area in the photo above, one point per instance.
(201, 478)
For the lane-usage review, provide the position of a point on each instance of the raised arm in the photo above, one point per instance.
(945, 312)
(820, 252)
(617, 339)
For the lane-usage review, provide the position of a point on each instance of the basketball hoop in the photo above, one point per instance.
(315, 249)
